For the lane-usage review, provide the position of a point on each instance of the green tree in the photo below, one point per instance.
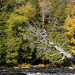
(12, 24)
(56, 12)
(3, 26)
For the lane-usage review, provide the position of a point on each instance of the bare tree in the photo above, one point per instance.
(34, 31)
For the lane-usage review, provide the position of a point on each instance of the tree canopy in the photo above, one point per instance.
(19, 17)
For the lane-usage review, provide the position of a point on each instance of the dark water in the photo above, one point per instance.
(37, 71)
(14, 73)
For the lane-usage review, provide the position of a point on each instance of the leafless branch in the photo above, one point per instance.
(58, 44)
(62, 44)
(62, 58)
(34, 24)
(55, 54)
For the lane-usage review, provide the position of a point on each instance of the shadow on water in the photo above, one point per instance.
(13, 74)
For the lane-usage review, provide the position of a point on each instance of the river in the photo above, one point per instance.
(38, 71)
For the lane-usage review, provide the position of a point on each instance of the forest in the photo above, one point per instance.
(21, 26)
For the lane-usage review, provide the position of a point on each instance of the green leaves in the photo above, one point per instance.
(56, 12)
(14, 43)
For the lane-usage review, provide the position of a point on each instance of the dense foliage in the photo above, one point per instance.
(69, 25)
(16, 47)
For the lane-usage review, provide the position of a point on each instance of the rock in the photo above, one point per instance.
(71, 67)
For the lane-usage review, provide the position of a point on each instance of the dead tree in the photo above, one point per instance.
(34, 31)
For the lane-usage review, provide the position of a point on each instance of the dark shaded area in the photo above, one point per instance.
(14, 74)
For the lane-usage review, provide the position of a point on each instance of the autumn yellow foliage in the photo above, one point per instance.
(41, 65)
(23, 65)
(70, 31)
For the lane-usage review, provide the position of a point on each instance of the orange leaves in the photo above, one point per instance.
(72, 14)
(71, 2)
(70, 9)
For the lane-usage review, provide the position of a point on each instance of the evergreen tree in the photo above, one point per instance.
(12, 32)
